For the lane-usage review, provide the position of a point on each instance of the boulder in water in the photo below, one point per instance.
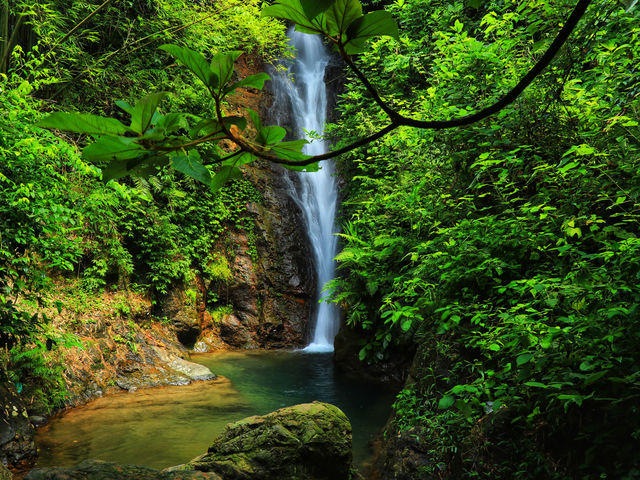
(311, 441)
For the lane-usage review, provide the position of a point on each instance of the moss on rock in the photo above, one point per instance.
(310, 441)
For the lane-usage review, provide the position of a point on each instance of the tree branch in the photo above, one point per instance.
(511, 96)
(326, 156)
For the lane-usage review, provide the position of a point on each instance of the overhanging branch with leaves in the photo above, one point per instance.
(154, 141)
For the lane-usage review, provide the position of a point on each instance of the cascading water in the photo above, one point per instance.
(315, 192)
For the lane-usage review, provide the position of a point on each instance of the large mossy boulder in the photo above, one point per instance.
(99, 470)
(311, 441)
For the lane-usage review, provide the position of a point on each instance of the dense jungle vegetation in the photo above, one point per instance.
(505, 252)
(59, 223)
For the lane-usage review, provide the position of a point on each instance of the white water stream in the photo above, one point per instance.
(315, 192)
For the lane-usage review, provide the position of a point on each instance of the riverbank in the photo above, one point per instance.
(138, 427)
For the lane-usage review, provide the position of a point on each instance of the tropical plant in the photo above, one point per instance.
(153, 141)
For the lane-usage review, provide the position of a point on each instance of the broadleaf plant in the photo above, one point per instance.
(343, 24)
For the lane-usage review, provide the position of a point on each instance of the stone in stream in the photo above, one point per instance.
(99, 470)
(194, 371)
(311, 441)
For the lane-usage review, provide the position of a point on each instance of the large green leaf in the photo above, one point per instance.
(252, 81)
(241, 159)
(144, 110)
(293, 11)
(113, 148)
(255, 118)
(83, 123)
(172, 122)
(204, 127)
(270, 135)
(342, 14)
(124, 105)
(222, 68)
(210, 126)
(195, 62)
(313, 8)
(291, 150)
(192, 166)
(370, 25)
(226, 173)
(142, 167)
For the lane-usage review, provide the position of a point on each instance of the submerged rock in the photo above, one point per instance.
(194, 371)
(311, 441)
(99, 470)
(16, 431)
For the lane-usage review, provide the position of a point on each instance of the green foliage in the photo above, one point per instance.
(341, 21)
(37, 367)
(510, 247)
(58, 222)
(171, 139)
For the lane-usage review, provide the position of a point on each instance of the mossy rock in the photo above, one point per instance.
(311, 441)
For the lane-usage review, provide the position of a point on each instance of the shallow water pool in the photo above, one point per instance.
(165, 426)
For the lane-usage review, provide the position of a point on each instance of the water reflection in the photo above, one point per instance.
(167, 426)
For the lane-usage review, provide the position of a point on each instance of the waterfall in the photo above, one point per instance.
(315, 192)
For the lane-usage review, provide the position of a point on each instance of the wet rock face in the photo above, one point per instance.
(310, 441)
(334, 78)
(98, 470)
(181, 313)
(16, 431)
(273, 285)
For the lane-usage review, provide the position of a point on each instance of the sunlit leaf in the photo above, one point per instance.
(143, 166)
(222, 68)
(239, 122)
(144, 110)
(239, 160)
(252, 81)
(312, 167)
(204, 127)
(195, 62)
(372, 24)
(255, 119)
(113, 148)
(172, 122)
(313, 8)
(191, 165)
(291, 150)
(83, 123)
(208, 126)
(293, 11)
(125, 106)
(342, 14)
(270, 135)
